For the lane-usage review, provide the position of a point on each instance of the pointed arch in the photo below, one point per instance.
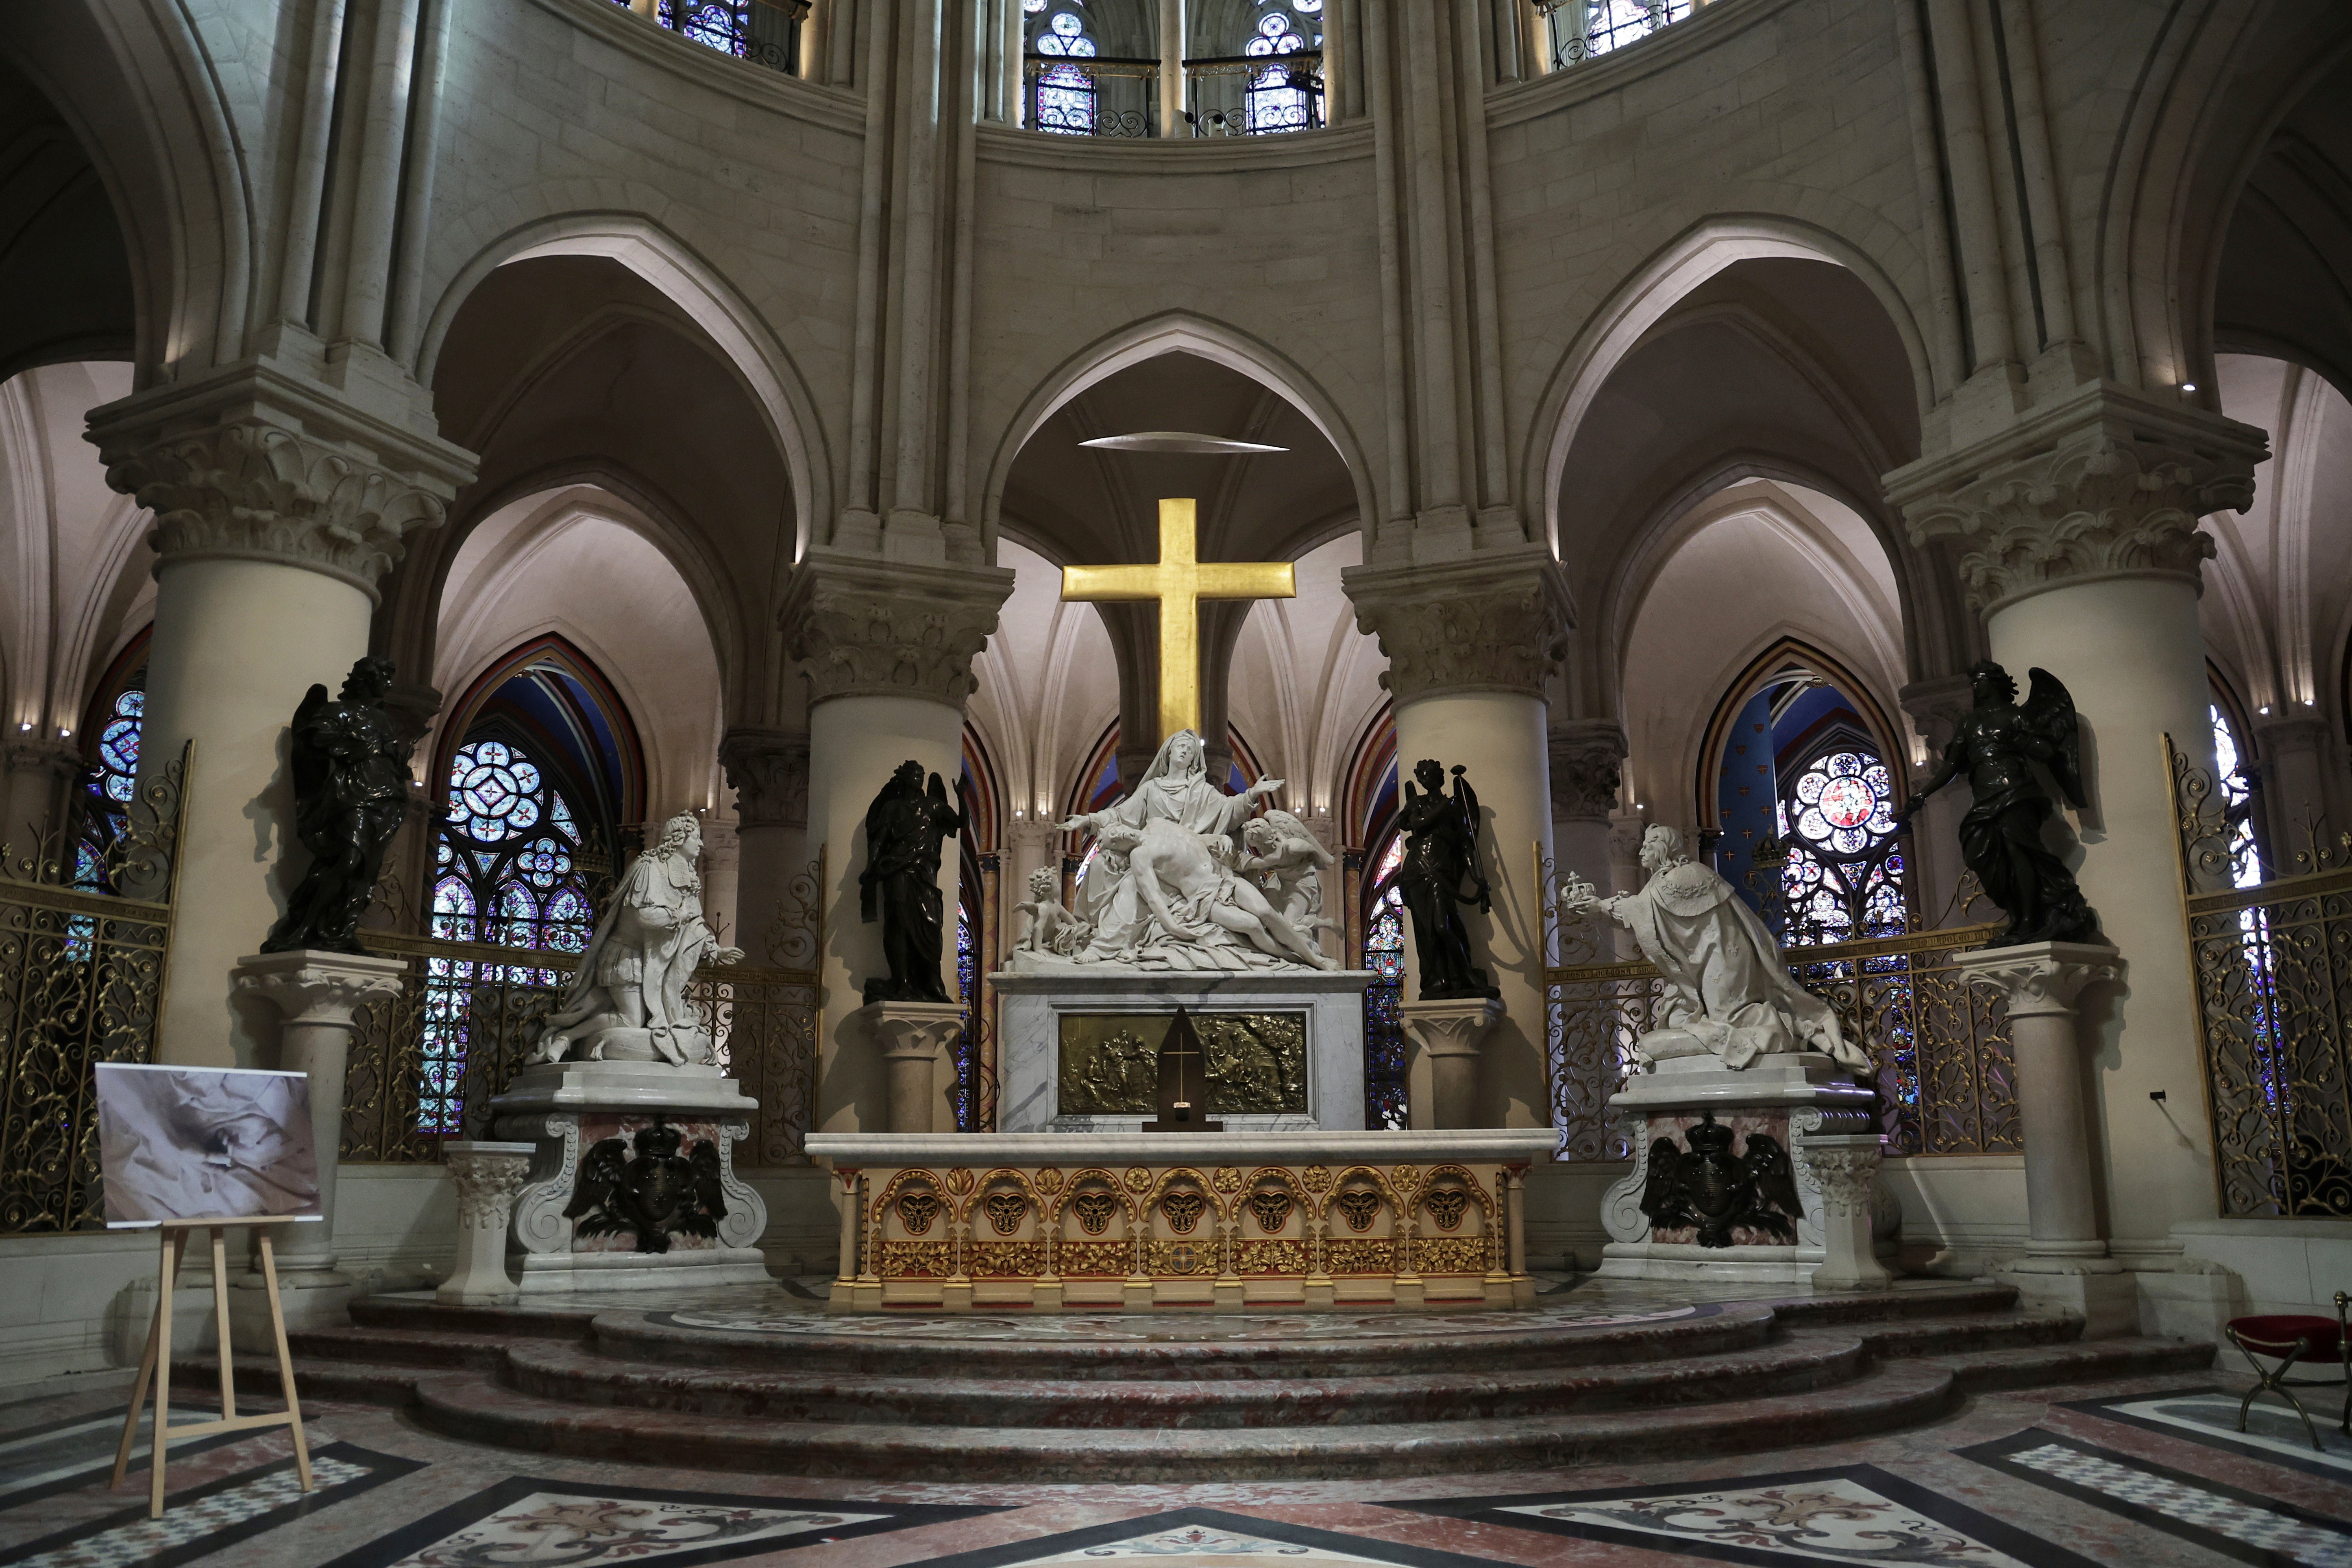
(1176, 331)
(1757, 672)
(689, 281)
(1643, 300)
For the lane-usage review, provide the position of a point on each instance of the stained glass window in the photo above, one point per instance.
(766, 31)
(1843, 876)
(1581, 29)
(1384, 1045)
(509, 870)
(1065, 100)
(108, 782)
(2237, 794)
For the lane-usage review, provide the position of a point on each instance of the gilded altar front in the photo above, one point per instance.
(1140, 1222)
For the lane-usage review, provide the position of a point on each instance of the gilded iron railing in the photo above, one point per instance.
(425, 1061)
(2273, 967)
(83, 971)
(1938, 1047)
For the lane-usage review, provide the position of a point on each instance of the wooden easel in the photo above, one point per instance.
(157, 1361)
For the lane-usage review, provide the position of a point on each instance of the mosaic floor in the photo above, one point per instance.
(2132, 1475)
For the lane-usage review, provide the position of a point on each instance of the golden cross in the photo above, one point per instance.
(1179, 583)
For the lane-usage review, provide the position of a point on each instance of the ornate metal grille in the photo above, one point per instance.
(1939, 1047)
(468, 1012)
(2272, 988)
(81, 979)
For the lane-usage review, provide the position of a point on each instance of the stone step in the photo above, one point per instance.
(404, 1347)
(531, 1322)
(1184, 1349)
(2081, 1361)
(581, 1377)
(1902, 1393)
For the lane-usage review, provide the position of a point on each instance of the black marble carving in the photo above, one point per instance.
(1997, 746)
(1708, 1187)
(658, 1193)
(1441, 853)
(351, 790)
(900, 885)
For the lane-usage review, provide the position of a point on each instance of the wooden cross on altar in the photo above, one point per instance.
(1179, 583)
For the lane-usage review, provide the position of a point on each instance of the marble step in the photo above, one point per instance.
(1294, 1350)
(529, 1322)
(404, 1347)
(1902, 1393)
(581, 1377)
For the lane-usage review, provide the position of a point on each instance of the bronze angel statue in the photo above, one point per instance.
(1998, 745)
(658, 1193)
(1441, 853)
(900, 885)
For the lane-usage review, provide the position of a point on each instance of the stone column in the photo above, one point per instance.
(768, 771)
(2079, 523)
(888, 649)
(279, 505)
(2068, 1266)
(316, 994)
(1470, 643)
(1588, 757)
(914, 1037)
(1936, 707)
(40, 771)
(489, 1175)
(1844, 1170)
(2295, 788)
(1442, 1071)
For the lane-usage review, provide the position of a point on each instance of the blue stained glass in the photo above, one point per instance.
(1384, 1043)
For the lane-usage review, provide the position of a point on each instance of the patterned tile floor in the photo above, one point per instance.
(2124, 1475)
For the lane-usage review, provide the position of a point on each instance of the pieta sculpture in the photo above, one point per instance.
(1440, 854)
(627, 999)
(1997, 745)
(1728, 994)
(1167, 889)
(351, 790)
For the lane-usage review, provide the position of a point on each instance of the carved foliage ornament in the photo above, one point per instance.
(1094, 1211)
(1358, 1206)
(2096, 504)
(487, 1185)
(1004, 1211)
(769, 771)
(249, 487)
(1272, 1207)
(864, 629)
(1482, 625)
(1587, 760)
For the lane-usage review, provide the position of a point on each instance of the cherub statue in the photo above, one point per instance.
(1285, 859)
(1997, 744)
(1051, 928)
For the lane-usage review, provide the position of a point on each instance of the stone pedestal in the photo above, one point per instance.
(1442, 1071)
(1828, 1126)
(1029, 1056)
(565, 1108)
(2067, 1267)
(316, 993)
(489, 1175)
(914, 1037)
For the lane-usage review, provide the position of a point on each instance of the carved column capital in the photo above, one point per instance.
(1936, 706)
(488, 1175)
(313, 988)
(2106, 484)
(2040, 977)
(768, 771)
(1493, 621)
(261, 464)
(1587, 760)
(62, 760)
(865, 628)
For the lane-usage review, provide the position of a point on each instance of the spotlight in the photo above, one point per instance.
(2188, 387)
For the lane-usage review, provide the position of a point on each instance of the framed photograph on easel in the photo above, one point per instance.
(183, 1149)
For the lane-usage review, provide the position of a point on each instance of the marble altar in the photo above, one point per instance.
(1139, 1221)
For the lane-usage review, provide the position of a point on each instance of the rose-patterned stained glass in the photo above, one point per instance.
(1842, 879)
(108, 782)
(507, 870)
(1384, 1047)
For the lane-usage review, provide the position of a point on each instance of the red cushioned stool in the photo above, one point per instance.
(2286, 1340)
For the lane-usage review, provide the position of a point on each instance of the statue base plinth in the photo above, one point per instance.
(564, 1110)
(1030, 1054)
(1824, 1121)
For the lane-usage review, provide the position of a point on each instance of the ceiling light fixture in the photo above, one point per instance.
(1179, 441)
(2188, 387)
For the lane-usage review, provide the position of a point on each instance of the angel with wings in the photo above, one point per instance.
(1285, 858)
(1998, 745)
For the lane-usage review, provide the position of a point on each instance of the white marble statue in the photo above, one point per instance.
(627, 1000)
(1051, 928)
(1728, 994)
(1166, 891)
(1288, 861)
